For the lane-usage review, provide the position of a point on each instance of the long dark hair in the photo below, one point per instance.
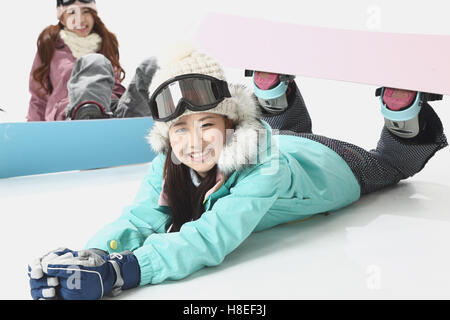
(47, 44)
(185, 200)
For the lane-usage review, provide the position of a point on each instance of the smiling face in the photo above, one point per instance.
(78, 20)
(197, 140)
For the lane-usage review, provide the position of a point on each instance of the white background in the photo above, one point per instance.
(399, 235)
(145, 28)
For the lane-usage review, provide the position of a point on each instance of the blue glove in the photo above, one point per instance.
(83, 275)
(42, 286)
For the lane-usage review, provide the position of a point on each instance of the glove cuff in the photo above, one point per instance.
(128, 272)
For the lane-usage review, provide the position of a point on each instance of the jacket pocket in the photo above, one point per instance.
(284, 211)
(290, 206)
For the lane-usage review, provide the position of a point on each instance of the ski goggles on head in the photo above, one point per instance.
(70, 2)
(196, 92)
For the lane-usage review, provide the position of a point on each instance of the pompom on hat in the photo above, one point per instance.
(241, 108)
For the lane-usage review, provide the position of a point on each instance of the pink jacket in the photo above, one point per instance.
(51, 107)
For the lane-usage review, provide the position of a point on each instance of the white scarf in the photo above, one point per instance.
(81, 46)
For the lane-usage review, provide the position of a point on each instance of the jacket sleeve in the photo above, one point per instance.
(139, 220)
(118, 89)
(219, 231)
(38, 101)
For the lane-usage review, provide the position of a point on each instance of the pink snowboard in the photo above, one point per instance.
(407, 61)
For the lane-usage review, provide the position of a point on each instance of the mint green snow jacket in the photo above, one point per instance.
(303, 179)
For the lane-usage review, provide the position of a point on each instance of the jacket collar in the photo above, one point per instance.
(220, 180)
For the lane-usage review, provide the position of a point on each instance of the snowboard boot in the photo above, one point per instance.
(89, 111)
(401, 109)
(272, 90)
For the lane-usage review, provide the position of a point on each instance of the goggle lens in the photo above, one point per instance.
(199, 93)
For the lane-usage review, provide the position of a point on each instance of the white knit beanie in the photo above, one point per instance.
(185, 59)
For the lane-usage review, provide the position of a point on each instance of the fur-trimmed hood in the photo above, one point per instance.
(241, 148)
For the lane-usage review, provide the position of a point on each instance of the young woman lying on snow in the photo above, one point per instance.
(229, 165)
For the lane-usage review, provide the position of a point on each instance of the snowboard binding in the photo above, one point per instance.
(271, 90)
(89, 111)
(401, 109)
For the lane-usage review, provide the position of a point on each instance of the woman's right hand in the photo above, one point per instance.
(82, 275)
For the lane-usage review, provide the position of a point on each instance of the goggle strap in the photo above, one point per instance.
(225, 91)
(69, 2)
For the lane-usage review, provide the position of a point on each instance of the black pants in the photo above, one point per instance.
(393, 160)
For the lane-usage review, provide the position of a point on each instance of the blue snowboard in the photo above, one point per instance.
(47, 147)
